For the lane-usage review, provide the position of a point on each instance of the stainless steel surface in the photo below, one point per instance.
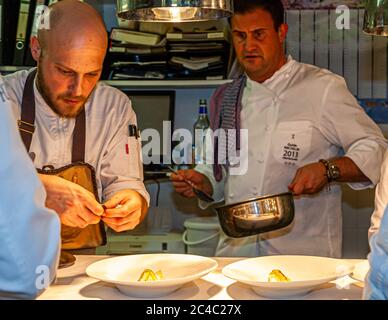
(257, 215)
(376, 18)
(174, 10)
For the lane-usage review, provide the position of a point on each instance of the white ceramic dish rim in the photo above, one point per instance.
(227, 271)
(91, 272)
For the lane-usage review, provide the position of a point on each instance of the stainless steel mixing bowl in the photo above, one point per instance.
(257, 215)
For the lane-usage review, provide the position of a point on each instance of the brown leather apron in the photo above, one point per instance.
(78, 171)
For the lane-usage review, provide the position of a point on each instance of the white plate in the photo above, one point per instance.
(360, 271)
(306, 273)
(124, 271)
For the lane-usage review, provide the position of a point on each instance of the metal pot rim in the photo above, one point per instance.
(252, 200)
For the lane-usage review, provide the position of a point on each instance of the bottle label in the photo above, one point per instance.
(199, 148)
(203, 110)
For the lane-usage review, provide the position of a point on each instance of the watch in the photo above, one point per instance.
(332, 171)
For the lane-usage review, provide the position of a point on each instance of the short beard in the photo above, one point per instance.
(43, 90)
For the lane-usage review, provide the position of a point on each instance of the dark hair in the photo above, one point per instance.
(273, 7)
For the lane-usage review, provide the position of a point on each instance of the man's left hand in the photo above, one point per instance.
(124, 210)
(309, 179)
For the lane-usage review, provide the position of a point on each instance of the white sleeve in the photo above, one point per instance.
(218, 187)
(346, 125)
(29, 233)
(122, 166)
(381, 198)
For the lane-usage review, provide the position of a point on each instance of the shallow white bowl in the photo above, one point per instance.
(124, 271)
(306, 273)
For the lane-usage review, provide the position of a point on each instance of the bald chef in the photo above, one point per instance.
(76, 130)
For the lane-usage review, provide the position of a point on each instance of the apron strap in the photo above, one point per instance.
(27, 122)
(79, 137)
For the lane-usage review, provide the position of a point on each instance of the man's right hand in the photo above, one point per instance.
(198, 179)
(76, 206)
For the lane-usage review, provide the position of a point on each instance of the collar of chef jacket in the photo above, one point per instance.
(275, 85)
(44, 110)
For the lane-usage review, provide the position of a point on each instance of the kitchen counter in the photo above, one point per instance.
(73, 283)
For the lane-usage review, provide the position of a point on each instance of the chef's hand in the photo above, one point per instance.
(309, 179)
(76, 206)
(198, 179)
(125, 210)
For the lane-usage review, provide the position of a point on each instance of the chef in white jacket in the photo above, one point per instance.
(306, 133)
(29, 232)
(70, 54)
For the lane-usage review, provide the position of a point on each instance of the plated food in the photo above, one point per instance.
(305, 273)
(277, 276)
(151, 275)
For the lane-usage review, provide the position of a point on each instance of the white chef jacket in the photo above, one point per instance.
(29, 233)
(115, 156)
(298, 116)
(381, 197)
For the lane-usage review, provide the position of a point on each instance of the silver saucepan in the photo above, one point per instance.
(257, 215)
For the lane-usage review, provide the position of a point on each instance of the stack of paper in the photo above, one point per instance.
(198, 55)
(135, 54)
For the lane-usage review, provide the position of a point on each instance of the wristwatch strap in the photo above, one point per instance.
(332, 171)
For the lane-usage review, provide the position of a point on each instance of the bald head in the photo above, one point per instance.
(73, 24)
(70, 53)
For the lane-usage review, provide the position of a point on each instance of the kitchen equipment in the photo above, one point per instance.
(305, 273)
(256, 215)
(124, 243)
(201, 235)
(199, 193)
(174, 11)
